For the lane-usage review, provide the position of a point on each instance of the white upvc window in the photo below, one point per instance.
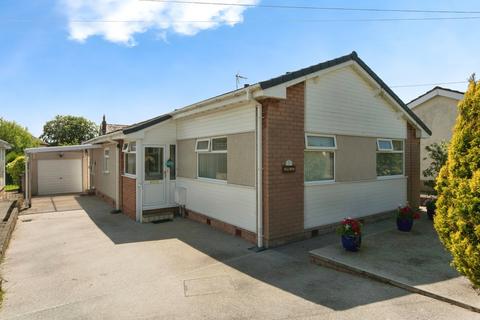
(319, 158)
(106, 159)
(212, 158)
(202, 145)
(390, 157)
(130, 158)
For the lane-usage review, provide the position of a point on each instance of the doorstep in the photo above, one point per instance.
(415, 261)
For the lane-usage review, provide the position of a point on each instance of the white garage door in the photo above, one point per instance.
(59, 176)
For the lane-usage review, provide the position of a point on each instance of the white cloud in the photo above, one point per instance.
(119, 20)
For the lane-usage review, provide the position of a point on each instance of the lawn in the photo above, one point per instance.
(11, 187)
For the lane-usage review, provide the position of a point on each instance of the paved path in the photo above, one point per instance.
(413, 260)
(90, 264)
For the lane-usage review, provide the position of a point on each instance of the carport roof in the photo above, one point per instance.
(62, 148)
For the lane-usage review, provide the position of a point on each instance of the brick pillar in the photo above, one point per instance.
(283, 193)
(412, 166)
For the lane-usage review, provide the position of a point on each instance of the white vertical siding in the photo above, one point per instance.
(235, 205)
(233, 120)
(342, 102)
(331, 203)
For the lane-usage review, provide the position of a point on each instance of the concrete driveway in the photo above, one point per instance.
(90, 264)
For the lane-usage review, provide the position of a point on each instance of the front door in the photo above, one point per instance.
(154, 188)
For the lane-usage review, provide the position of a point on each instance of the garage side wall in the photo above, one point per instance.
(104, 172)
(57, 156)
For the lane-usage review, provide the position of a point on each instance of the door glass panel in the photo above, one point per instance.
(173, 169)
(153, 163)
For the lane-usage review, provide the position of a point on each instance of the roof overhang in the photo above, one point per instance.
(62, 148)
(437, 91)
(5, 145)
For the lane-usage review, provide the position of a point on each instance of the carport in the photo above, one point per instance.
(56, 170)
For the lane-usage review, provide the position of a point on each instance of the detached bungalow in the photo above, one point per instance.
(4, 146)
(272, 162)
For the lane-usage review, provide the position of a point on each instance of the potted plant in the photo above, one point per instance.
(431, 207)
(351, 232)
(405, 217)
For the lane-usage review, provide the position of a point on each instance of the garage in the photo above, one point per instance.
(57, 170)
(59, 176)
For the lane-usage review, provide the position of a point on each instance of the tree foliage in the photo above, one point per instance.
(68, 130)
(18, 137)
(16, 168)
(438, 154)
(457, 220)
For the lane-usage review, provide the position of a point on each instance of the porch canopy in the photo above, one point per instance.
(29, 152)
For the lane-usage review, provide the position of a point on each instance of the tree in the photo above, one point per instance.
(18, 137)
(16, 168)
(457, 220)
(68, 130)
(438, 153)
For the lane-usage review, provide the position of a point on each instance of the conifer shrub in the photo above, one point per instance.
(457, 219)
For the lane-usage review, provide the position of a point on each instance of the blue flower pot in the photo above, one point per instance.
(351, 243)
(404, 225)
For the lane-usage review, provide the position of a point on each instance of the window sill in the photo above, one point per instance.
(216, 181)
(319, 183)
(391, 177)
(128, 175)
(106, 172)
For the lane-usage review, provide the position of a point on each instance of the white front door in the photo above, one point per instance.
(154, 186)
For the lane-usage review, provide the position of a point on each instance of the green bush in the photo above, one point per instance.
(16, 168)
(457, 219)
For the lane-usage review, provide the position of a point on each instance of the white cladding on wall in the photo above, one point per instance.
(162, 134)
(330, 203)
(233, 120)
(232, 204)
(342, 102)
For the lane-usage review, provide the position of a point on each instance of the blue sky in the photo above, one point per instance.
(132, 71)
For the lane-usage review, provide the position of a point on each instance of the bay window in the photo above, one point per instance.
(390, 157)
(319, 158)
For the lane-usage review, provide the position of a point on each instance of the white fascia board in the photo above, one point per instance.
(433, 94)
(106, 138)
(280, 91)
(62, 148)
(235, 98)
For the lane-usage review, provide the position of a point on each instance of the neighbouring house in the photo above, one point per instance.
(4, 146)
(272, 162)
(438, 110)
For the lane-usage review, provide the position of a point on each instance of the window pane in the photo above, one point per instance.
(153, 164)
(397, 145)
(202, 145)
(130, 163)
(212, 165)
(173, 170)
(133, 146)
(389, 164)
(385, 145)
(319, 165)
(320, 142)
(219, 144)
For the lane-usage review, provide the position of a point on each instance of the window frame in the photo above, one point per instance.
(106, 158)
(321, 149)
(392, 150)
(128, 151)
(307, 147)
(219, 181)
(202, 150)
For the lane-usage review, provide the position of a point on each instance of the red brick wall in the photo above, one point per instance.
(129, 197)
(283, 193)
(412, 166)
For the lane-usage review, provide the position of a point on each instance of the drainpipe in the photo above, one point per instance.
(259, 168)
